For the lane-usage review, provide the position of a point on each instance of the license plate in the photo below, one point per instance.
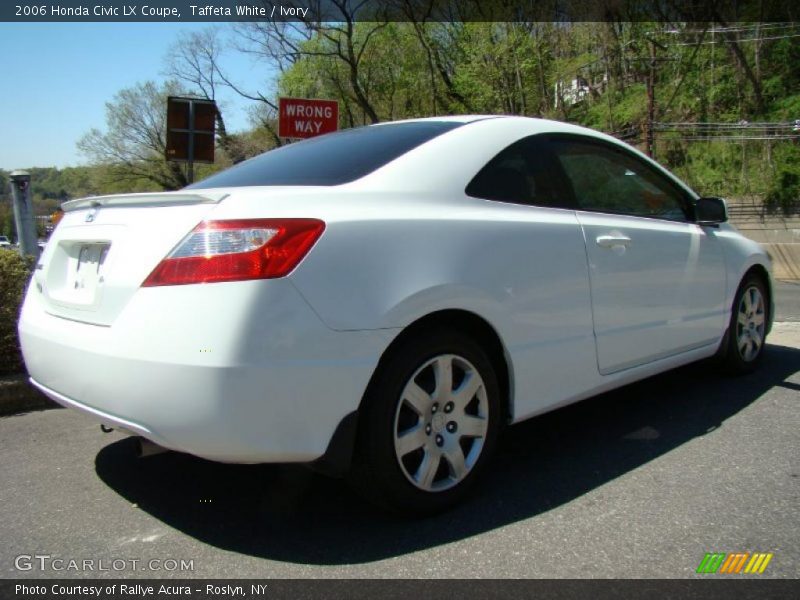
(88, 271)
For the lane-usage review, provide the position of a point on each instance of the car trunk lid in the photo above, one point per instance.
(104, 247)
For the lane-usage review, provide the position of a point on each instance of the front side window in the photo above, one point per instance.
(607, 180)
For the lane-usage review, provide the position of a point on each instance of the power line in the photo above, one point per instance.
(721, 132)
(708, 129)
(737, 124)
(734, 138)
(774, 31)
(755, 39)
(734, 28)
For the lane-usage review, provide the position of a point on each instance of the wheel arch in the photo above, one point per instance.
(338, 457)
(476, 327)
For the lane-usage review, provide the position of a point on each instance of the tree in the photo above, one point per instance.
(7, 227)
(133, 146)
(336, 37)
(442, 52)
(389, 71)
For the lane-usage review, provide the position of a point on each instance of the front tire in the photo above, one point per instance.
(747, 330)
(429, 423)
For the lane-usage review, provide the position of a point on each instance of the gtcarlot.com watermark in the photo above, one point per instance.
(49, 563)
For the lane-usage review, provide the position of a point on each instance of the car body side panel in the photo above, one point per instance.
(522, 269)
(742, 254)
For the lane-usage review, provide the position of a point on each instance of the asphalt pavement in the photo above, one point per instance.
(638, 482)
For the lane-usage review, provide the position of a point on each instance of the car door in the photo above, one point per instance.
(539, 276)
(657, 278)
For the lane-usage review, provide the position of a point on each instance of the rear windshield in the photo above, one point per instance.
(330, 159)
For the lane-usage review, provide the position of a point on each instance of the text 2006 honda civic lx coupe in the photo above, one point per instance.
(384, 300)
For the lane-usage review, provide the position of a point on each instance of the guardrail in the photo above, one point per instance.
(740, 210)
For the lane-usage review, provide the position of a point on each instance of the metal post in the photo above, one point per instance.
(23, 213)
(651, 101)
(190, 164)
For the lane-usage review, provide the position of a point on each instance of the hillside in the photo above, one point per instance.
(725, 98)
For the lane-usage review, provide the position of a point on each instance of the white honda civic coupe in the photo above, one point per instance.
(384, 300)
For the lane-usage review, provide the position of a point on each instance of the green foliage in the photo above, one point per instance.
(396, 70)
(498, 69)
(15, 273)
(6, 220)
(51, 187)
(767, 170)
(623, 109)
(389, 71)
(784, 194)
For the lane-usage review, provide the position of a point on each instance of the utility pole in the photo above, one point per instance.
(651, 99)
(23, 213)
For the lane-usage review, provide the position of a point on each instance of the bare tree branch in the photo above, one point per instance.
(135, 138)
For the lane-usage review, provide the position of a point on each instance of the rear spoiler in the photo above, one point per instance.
(149, 199)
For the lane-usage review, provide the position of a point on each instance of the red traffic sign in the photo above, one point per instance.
(307, 117)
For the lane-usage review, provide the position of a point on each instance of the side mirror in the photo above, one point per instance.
(710, 211)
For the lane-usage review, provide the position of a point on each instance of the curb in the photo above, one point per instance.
(17, 395)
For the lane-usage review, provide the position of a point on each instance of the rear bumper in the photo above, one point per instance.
(107, 419)
(247, 377)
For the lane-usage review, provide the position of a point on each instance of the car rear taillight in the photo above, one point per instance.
(237, 250)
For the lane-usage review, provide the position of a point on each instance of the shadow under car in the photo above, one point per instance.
(289, 513)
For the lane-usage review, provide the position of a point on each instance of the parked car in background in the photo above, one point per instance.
(385, 300)
(4, 242)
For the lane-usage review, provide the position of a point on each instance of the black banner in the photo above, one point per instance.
(722, 11)
(390, 589)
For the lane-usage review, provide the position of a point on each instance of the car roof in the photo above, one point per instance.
(446, 162)
(544, 125)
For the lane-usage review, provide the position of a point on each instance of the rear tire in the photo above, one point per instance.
(747, 330)
(429, 423)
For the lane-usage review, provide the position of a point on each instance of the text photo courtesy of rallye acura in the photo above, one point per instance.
(383, 301)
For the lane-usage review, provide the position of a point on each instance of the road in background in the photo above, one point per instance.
(787, 300)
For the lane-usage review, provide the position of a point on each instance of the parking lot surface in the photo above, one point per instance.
(638, 482)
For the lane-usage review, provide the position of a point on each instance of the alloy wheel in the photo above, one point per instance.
(441, 423)
(750, 324)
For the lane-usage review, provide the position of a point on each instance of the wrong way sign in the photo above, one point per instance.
(307, 117)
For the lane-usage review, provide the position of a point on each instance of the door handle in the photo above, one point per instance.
(609, 241)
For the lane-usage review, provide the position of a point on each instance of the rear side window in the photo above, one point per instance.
(522, 173)
(330, 159)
